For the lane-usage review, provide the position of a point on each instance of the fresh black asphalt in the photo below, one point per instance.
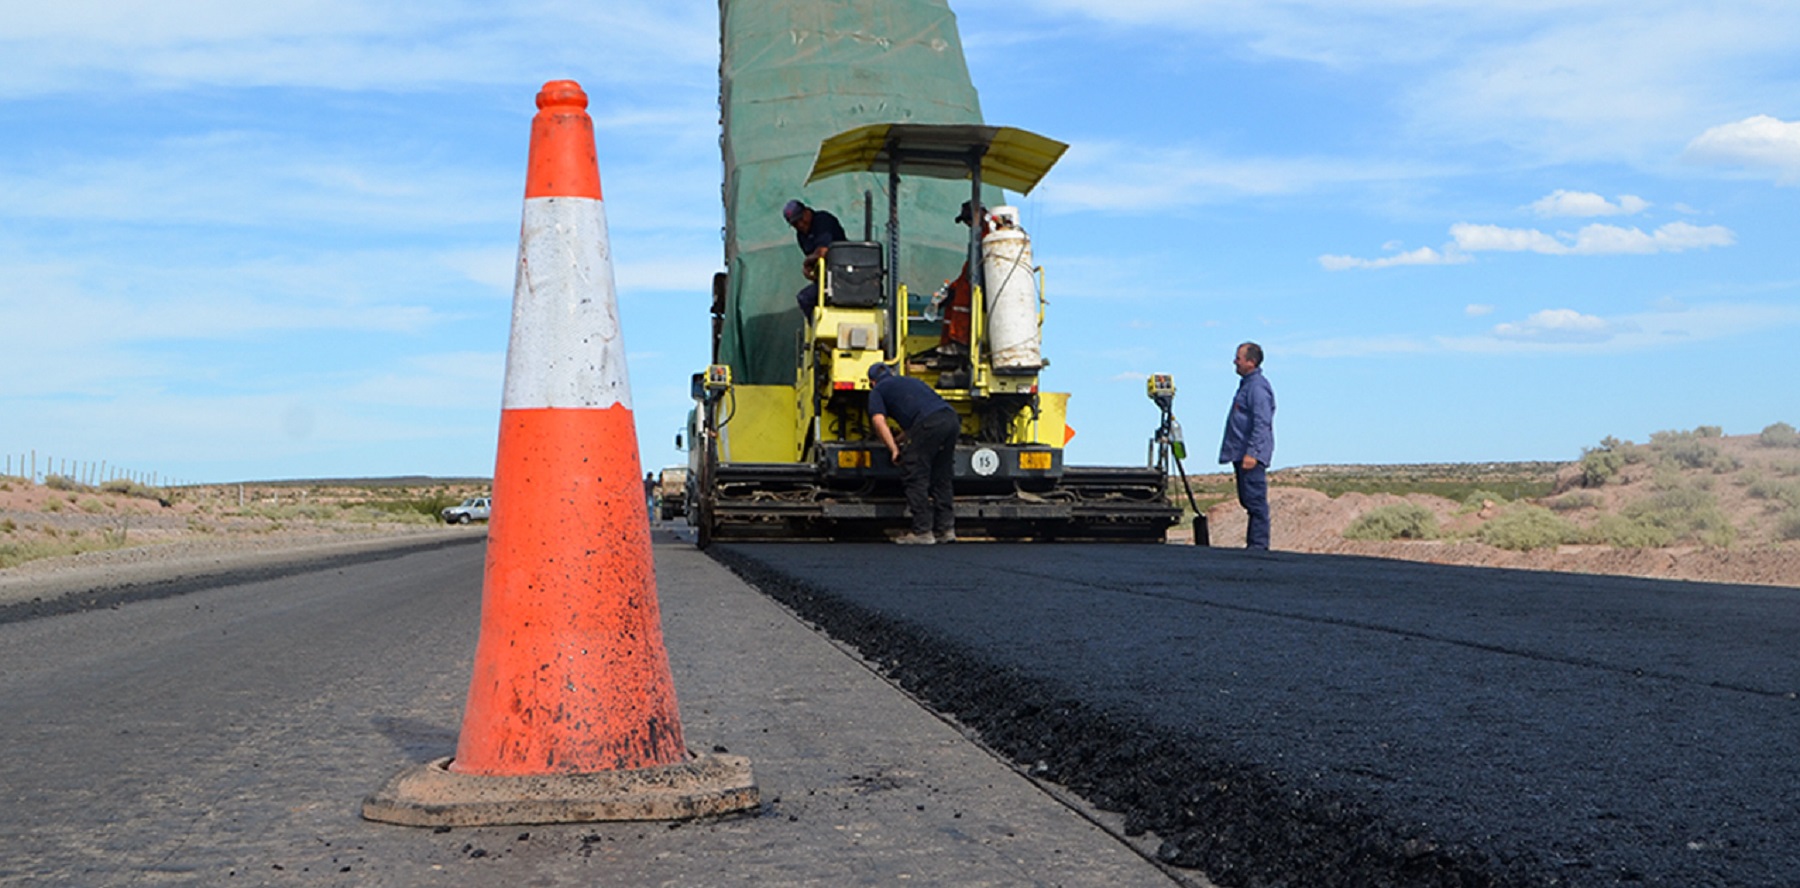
(1298, 720)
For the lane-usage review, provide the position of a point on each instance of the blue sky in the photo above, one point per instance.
(244, 243)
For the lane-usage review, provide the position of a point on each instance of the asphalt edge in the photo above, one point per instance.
(1239, 824)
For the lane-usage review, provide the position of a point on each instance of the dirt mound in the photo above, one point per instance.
(1739, 477)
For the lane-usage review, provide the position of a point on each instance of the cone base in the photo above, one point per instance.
(433, 795)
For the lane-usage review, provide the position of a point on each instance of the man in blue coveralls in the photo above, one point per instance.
(1250, 442)
(928, 464)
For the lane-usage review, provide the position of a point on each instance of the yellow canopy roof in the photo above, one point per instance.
(1013, 159)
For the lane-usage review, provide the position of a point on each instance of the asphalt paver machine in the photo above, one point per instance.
(865, 108)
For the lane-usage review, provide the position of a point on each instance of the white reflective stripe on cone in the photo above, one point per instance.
(565, 349)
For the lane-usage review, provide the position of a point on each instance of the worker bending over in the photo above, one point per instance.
(928, 464)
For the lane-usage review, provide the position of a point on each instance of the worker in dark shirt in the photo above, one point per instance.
(928, 464)
(814, 230)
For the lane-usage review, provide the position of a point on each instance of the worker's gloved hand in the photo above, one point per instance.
(934, 310)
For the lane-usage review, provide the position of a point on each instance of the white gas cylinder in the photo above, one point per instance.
(1014, 338)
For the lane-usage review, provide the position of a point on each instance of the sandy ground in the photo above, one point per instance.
(1309, 521)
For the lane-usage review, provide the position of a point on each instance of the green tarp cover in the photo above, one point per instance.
(793, 73)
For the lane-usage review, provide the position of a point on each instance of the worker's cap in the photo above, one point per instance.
(879, 372)
(966, 215)
(792, 211)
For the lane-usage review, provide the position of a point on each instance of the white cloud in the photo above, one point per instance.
(1598, 239)
(1583, 79)
(1762, 142)
(1662, 327)
(1587, 203)
(338, 44)
(1674, 237)
(1568, 330)
(1485, 238)
(1420, 256)
(1339, 33)
(251, 180)
(1592, 240)
(1121, 177)
(1476, 309)
(1556, 324)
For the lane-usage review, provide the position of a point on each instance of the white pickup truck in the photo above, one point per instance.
(474, 508)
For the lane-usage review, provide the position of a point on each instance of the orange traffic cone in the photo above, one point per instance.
(571, 712)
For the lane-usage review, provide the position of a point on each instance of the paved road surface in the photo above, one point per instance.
(1273, 720)
(1284, 719)
(224, 732)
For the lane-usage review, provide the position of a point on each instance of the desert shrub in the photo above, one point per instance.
(53, 545)
(1688, 513)
(428, 504)
(1785, 492)
(1690, 453)
(1526, 527)
(1627, 533)
(1668, 476)
(63, 482)
(1395, 521)
(1634, 454)
(1574, 500)
(8, 526)
(1478, 498)
(1599, 465)
(131, 488)
(365, 513)
(1779, 435)
(54, 505)
(279, 512)
(1788, 526)
(92, 506)
(1698, 449)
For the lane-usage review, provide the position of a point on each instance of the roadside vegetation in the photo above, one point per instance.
(1452, 481)
(1681, 488)
(1396, 521)
(62, 517)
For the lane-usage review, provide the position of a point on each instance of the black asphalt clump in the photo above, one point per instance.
(114, 595)
(1242, 825)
